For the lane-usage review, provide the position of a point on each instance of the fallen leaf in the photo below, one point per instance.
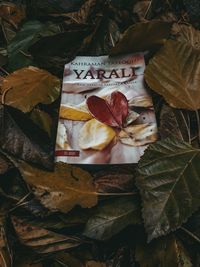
(142, 36)
(139, 135)
(193, 9)
(66, 259)
(30, 32)
(41, 240)
(114, 181)
(12, 13)
(112, 216)
(163, 252)
(68, 112)
(95, 135)
(170, 74)
(187, 34)
(62, 189)
(173, 123)
(169, 173)
(39, 86)
(112, 111)
(5, 254)
(4, 164)
(141, 9)
(43, 120)
(53, 51)
(95, 264)
(20, 137)
(141, 101)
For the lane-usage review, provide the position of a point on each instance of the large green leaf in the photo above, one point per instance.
(170, 74)
(142, 36)
(169, 178)
(166, 252)
(30, 32)
(113, 216)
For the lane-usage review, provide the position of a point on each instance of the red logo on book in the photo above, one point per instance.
(67, 153)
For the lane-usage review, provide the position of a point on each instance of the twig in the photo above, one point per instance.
(5, 71)
(190, 234)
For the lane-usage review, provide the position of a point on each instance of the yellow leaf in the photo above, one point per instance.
(62, 189)
(73, 113)
(27, 87)
(95, 135)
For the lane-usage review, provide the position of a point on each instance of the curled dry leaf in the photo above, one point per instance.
(170, 74)
(20, 137)
(39, 86)
(142, 36)
(112, 111)
(114, 181)
(74, 113)
(62, 140)
(95, 135)
(42, 240)
(12, 13)
(141, 101)
(139, 135)
(169, 171)
(62, 189)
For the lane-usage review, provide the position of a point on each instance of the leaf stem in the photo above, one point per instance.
(198, 123)
(116, 194)
(187, 127)
(190, 234)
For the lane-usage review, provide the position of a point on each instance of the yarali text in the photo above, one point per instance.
(105, 74)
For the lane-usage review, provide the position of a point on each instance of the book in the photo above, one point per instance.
(106, 113)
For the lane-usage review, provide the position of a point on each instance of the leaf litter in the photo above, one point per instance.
(78, 216)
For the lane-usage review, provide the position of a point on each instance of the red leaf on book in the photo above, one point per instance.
(112, 111)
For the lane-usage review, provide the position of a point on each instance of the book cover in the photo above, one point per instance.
(106, 113)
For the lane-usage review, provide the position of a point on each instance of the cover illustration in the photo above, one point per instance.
(106, 113)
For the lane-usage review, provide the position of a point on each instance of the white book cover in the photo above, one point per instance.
(106, 113)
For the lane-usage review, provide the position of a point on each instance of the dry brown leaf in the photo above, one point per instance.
(95, 135)
(170, 74)
(27, 87)
(139, 135)
(141, 8)
(141, 101)
(187, 34)
(95, 264)
(74, 113)
(42, 240)
(12, 13)
(62, 189)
